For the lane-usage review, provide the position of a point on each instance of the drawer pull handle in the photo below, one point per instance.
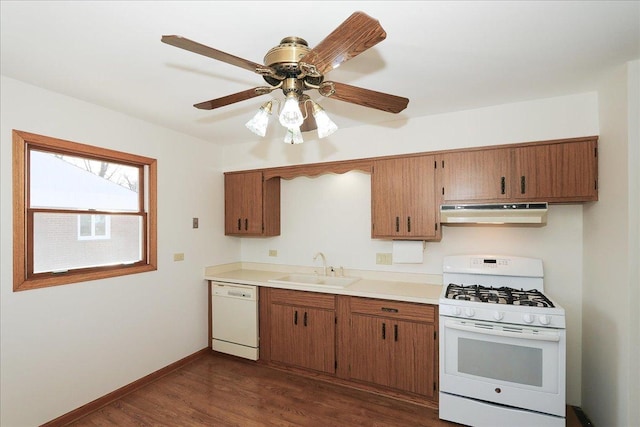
(239, 224)
(409, 224)
(390, 310)
(395, 332)
(384, 331)
(295, 317)
(246, 224)
(305, 319)
(503, 185)
(397, 224)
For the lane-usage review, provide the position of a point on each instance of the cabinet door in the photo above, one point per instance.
(287, 341)
(403, 202)
(318, 339)
(243, 203)
(556, 172)
(478, 175)
(419, 197)
(386, 197)
(370, 355)
(414, 357)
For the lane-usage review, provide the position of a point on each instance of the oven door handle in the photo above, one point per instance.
(501, 333)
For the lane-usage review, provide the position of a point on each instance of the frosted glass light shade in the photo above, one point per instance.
(325, 125)
(258, 124)
(293, 136)
(291, 116)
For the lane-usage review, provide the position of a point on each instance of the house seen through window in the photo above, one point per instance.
(87, 212)
(91, 227)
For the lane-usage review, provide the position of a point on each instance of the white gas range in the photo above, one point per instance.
(502, 344)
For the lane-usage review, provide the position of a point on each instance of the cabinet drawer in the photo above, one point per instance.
(303, 298)
(394, 309)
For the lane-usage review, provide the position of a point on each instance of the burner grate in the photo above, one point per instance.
(501, 295)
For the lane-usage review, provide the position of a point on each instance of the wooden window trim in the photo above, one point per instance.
(20, 232)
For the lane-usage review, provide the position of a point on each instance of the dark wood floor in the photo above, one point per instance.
(223, 391)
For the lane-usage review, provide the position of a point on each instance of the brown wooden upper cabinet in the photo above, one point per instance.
(563, 172)
(403, 199)
(252, 204)
(555, 171)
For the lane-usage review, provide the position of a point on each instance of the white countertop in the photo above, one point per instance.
(383, 288)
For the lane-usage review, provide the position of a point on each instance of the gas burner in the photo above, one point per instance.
(501, 295)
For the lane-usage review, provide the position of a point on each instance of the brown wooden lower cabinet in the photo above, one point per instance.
(380, 345)
(393, 353)
(302, 329)
(394, 344)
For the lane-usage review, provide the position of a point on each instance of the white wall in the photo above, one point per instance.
(64, 346)
(332, 214)
(634, 236)
(611, 333)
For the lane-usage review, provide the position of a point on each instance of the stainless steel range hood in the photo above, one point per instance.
(495, 213)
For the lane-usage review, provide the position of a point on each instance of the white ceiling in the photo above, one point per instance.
(443, 56)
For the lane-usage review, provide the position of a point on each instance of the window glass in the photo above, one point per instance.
(57, 246)
(64, 181)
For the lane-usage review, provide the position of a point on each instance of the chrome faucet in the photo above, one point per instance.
(324, 261)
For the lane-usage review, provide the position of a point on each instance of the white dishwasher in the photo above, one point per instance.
(235, 319)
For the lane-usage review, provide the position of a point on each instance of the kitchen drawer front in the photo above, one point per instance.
(394, 309)
(303, 298)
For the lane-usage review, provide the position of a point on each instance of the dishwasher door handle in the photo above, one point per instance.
(241, 294)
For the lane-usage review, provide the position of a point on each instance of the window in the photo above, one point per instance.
(94, 227)
(80, 212)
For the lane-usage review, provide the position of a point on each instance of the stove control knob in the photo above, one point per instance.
(527, 318)
(498, 315)
(544, 319)
(457, 311)
(469, 312)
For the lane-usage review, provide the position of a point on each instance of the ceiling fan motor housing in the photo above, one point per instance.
(285, 57)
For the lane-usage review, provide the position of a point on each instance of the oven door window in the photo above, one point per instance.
(506, 362)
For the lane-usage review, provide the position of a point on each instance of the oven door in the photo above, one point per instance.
(512, 365)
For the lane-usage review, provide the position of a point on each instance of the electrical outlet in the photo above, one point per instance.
(195, 223)
(383, 258)
(273, 252)
(178, 257)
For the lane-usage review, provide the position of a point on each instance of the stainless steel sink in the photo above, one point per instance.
(315, 280)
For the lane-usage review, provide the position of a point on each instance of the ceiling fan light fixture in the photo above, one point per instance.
(258, 123)
(326, 126)
(291, 116)
(293, 136)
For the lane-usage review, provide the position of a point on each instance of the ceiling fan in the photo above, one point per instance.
(295, 68)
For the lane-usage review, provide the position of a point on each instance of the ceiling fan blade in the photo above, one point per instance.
(356, 34)
(191, 46)
(232, 99)
(365, 97)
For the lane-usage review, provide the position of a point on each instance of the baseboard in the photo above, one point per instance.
(94, 405)
(582, 417)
